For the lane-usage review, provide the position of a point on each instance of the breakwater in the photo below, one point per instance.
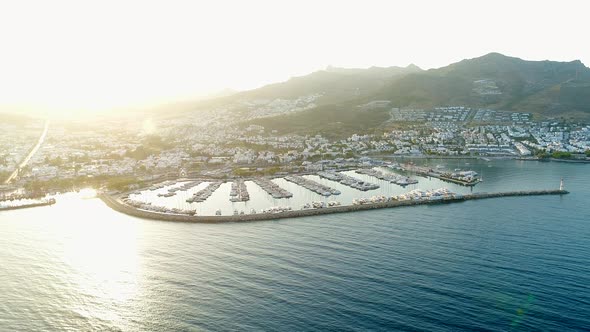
(116, 204)
(49, 202)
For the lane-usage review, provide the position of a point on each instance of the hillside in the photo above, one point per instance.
(14, 119)
(544, 88)
(496, 81)
(336, 85)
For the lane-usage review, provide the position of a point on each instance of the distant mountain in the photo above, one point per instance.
(14, 119)
(336, 85)
(496, 81)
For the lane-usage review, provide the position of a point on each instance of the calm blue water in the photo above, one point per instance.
(511, 264)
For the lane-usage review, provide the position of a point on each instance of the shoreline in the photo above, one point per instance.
(117, 205)
(572, 161)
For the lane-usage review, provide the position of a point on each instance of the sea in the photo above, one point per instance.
(503, 264)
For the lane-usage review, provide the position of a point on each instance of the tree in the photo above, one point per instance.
(542, 154)
(561, 155)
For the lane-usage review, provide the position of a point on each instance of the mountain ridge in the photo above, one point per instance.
(493, 81)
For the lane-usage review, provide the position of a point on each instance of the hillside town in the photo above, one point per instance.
(215, 146)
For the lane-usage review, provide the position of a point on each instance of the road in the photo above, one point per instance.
(25, 161)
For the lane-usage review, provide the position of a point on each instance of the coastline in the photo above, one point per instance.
(117, 205)
(572, 161)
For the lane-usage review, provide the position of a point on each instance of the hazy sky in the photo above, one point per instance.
(93, 55)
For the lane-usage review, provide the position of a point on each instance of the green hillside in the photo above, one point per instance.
(544, 88)
(496, 81)
(337, 85)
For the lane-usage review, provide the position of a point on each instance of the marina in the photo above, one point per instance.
(278, 212)
(259, 195)
(455, 228)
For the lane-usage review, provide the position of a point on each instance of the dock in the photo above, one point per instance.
(272, 188)
(118, 205)
(311, 185)
(391, 178)
(348, 180)
(203, 194)
(444, 176)
(239, 192)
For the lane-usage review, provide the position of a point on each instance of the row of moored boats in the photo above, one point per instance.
(391, 178)
(239, 192)
(147, 206)
(311, 185)
(348, 180)
(272, 188)
(414, 195)
(203, 194)
(320, 205)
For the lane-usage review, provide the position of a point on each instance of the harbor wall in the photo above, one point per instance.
(26, 206)
(117, 205)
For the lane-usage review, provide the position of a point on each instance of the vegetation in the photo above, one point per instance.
(545, 88)
(4, 176)
(119, 183)
(332, 121)
(543, 154)
(561, 155)
(246, 171)
(520, 85)
(150, 145)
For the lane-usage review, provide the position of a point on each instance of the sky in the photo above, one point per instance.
(67, 57)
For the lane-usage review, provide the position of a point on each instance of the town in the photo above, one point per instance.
(121, 152)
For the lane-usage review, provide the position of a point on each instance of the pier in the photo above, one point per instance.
(469, 180)
(272, 188)
(239, 192)
(203, 194)
(311, 185)
(391, 178)
(118, 205)
(348, 180)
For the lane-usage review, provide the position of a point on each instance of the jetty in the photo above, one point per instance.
(464, 178)
(119, 205)
(272, 188)
(348, 180)
(391, 178)
(311, 185)
(239, 192)
(203, 194)
(44, 202)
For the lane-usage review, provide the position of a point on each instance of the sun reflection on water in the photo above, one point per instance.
(102, 253)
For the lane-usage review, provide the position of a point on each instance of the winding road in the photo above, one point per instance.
(30, 155)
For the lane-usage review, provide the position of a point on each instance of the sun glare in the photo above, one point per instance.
(68, 58)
